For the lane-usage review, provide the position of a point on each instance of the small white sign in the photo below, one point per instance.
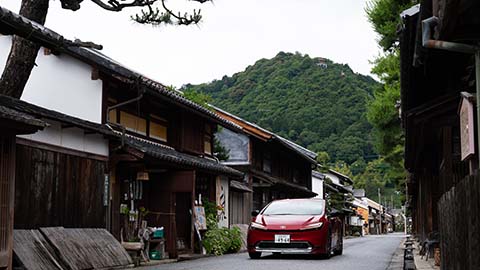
(282, 238)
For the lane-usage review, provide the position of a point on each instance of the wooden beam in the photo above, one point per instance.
(95, 74)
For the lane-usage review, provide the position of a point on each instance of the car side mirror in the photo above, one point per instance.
(255, 213)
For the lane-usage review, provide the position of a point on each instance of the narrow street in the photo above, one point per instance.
(368, 253)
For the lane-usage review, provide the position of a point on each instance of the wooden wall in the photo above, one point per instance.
(459, 225)
(57, 189)
(240, 207)
(284, 164)
(7, 184)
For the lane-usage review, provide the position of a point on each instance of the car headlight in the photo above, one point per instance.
(255, 225)
(315, 225)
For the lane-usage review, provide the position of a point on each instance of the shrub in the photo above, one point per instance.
(219, 241)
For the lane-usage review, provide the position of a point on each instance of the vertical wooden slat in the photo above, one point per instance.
(459, 225)
(56, 189)
(7, 196)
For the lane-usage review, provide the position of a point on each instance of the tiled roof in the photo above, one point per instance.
(282, 182)
(170, 155)
(240, 186)
(342, 176)
(318, 175)
(7, 113)
(12, 23)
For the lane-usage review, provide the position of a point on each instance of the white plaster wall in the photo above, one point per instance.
(70, 138)
(333, 177)
(60, 83)
(317, 187)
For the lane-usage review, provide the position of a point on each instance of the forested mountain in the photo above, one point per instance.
(314, 102)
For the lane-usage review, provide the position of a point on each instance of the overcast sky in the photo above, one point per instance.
(233, 35)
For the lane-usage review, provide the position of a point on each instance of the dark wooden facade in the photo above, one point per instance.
(441, 190)
(7, 190)
(172, 188)
(58, 189)
(273, 168)
(186, 131)
(12, 122)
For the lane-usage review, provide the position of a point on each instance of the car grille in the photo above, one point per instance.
(273, 245)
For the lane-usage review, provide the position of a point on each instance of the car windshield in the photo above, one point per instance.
(295, 207)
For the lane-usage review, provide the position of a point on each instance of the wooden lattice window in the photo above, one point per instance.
(133, 123)
(158, 128)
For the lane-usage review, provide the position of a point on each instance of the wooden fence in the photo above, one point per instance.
(459, 225)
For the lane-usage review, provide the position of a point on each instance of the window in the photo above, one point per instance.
(295, 207)
(207, 140)
(133, 123)
(158, 128)
(112, 116)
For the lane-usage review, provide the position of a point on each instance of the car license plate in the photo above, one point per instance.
(282, 238)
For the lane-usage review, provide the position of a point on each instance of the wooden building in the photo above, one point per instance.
(274, 167)
(438, 82)
(12, 123)
(119, 144)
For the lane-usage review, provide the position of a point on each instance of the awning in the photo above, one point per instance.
(330, 188)
(304, 191)
(342, 188)
(168, 154)
(240, 186)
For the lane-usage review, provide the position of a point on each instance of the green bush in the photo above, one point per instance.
(219, 241)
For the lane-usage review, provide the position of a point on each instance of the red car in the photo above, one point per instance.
(295, 226)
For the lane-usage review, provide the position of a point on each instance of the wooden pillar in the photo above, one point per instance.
(7, 196)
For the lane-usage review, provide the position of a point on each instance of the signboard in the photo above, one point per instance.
(106, 190)
(200, 220)
(467, 126)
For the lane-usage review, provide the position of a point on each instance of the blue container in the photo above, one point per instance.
(158, 234)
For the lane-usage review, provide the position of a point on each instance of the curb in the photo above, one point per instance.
(396, 263)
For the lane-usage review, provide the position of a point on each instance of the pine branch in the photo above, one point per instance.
(168, 16)
(116, 5)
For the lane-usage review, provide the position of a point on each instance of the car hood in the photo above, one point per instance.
(287, 222)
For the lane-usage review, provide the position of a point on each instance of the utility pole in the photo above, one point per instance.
(381, 210)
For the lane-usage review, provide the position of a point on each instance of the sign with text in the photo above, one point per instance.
(200, 220)
(467, 128)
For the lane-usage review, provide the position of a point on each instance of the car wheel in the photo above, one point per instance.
(328, 252)
(339, 250)
(254, 255)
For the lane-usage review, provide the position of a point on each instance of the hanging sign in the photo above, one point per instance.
(467, 126)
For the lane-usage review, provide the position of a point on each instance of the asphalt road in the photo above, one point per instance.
(369, 253)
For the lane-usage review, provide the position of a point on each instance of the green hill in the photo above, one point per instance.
(314, 102)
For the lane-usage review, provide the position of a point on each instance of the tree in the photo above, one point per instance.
(384, 15)
(303, 99)
(23, 53)
(323, 158)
